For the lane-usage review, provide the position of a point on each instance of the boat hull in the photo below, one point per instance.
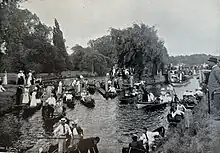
(89, 104)
(29, 111)
(132, 150)
(176, 119)
(149, 105)
(180, 84)
(69, 103)
(128, 100)
(160, 130)
(91, 89)
(110, 95)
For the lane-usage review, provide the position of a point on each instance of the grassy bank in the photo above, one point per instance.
(203, 136)
(7, 99)
(12, 77)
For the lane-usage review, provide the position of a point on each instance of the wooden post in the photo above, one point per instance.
(106, 82)
(131, 80)
(209, 106)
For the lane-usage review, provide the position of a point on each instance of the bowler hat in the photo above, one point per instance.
(213, 59)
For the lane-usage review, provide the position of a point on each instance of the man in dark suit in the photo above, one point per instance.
(214, 85)
(18, 94)
(89, 144)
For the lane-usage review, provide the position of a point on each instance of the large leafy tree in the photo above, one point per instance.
(105, 46)
(139, 47)
(89, 60)
(28, 42)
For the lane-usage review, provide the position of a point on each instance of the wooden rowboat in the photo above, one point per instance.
(88, 103)
(180, 84)
(151, 105)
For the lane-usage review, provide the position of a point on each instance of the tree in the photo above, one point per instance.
(105, 46)
(139, 47)
(58, 41)
(89, 60)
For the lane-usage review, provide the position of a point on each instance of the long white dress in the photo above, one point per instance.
(78, 86)
(29, 79)
(25, 96)
(60, 88)
(33, 99)
(5, 79)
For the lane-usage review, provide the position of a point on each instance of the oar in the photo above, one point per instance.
(49, 138)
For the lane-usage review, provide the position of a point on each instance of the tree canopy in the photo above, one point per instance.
(139, 47)
(27, 43)
(195, 59)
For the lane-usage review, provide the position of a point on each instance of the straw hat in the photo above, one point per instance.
(63, 119)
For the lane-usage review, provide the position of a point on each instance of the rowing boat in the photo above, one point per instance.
(90, 103)
(180, 84)
(151, 105)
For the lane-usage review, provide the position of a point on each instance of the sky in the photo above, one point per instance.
(187, 26)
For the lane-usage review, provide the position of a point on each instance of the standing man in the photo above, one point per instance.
(62, 131)
(77, 132)
(51, 101)
(214, 84)
(18, 95)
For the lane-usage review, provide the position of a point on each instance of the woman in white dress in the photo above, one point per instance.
(33, 98)
(60, 86)
(29, 79)
(5, 79)
(25, 96)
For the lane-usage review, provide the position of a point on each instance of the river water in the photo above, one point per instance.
(112, 122)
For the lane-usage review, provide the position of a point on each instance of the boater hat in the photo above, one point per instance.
(213, 59)
(63, 119)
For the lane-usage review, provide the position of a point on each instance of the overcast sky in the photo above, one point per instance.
(187, 26)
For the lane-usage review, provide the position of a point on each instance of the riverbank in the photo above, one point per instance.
(7, 100)
(12, 77)
(203, 136)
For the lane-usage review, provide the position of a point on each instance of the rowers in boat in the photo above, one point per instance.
(53, 108)
(176, 113)
(68, 99)
(150, 101)
(91, 87)
(112, 93)
(189, 100)
(179, 81)
(127, 97)
(198, 93)
(87, 100)
(147, 141)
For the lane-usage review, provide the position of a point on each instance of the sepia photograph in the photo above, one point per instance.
(109, 76)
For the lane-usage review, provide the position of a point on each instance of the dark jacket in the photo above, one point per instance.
(88, 144)
(214, 79)
(137, 145)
